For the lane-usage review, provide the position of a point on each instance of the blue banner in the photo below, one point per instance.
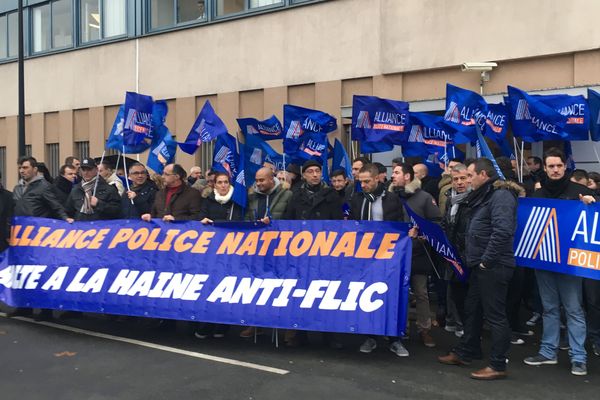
(341, 276)
(269, 129)
(439, 242)
(374, 119)
(576, 111)
(206, 128)
(559, 235)
(594, 104)
(533, 120)
(463, 109)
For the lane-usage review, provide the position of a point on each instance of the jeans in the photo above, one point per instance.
(487, 298)
(556, 289)
(591, 289)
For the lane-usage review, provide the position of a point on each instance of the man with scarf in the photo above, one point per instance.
(374, 203)
(408, 188)
(490, 257)
(313, 200)
(557, 289)
(455, 223)
(139, 199)
(93, 199)
(33, 197)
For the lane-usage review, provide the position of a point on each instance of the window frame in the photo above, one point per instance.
(30, 27)
(102, 37)
(208, 5)
(247, 9)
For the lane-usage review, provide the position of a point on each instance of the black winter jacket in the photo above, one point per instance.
(108, 207)
(491, 229)
(37, 199)
(391, 203)
(562, 189)
(7, 206)
(325, 203)
(142, 202)
(62, 189)
(213, 210)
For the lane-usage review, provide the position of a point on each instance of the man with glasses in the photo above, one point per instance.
(177, 201)
(138, 200)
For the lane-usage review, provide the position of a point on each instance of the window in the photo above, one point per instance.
(13, 35)
(166, 13)
(51, 26)
(3, 36)
(53, 158)
(225, 7)
(101, 19)
(82, 150)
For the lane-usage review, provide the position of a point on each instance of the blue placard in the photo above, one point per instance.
(343, 276)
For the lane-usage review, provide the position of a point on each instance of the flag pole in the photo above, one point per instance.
(515, 148)
(522, 147)
(125, 170)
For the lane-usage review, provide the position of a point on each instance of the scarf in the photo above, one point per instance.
(370, 198)
(455, 200)
(556, 187)
(223, 199)
(88, 189)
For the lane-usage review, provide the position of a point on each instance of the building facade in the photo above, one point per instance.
(249, 57)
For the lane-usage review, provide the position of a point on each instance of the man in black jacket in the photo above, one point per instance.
(7, 207)
(374, 203)
(489, 254)
(556, 289)
(314, 199)
(140, 198)
(408, 188)
(63, 184)
(93, 199)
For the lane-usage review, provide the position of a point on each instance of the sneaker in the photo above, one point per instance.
(596, 349)
(516, 340)
(200, 335)
(459, 333)
(427, 339)
(523, 332)
(535, 318)
(540, 360)
(399, 349)
(368, 346)
(579, 368)
(450, 328)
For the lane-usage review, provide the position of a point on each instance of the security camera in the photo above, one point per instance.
(478, 66)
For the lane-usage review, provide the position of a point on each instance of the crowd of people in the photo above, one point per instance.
(475, 208)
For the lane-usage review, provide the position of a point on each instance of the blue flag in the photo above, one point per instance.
(269, 129)
(569, 155)
(463, 109)
(376, 147)
(225, 156)
(429, 139)
(594, 104)
(438, 240)
(341, 159)
(115, 138)
(487, 153)
(495, 127)
(162, 151)
(206, 128)
(137, 128)
(257, 152)
(306, 133)
(240, 190)
(575, 109)
(532, 119)
(374, 119)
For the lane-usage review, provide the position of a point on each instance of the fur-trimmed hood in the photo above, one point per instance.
(410, 188)
(514, 187)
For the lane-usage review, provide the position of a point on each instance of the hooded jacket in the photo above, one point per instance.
(493, 222)
(275, 201)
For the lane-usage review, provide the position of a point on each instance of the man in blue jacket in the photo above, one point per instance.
(489, 254)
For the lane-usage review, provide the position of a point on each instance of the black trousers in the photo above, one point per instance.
(487, 297)
(516, 291)
(591, 290)
(458, 292)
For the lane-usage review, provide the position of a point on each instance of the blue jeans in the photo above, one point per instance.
(556, 289)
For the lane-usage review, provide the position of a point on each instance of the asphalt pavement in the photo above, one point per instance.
(96, 357)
